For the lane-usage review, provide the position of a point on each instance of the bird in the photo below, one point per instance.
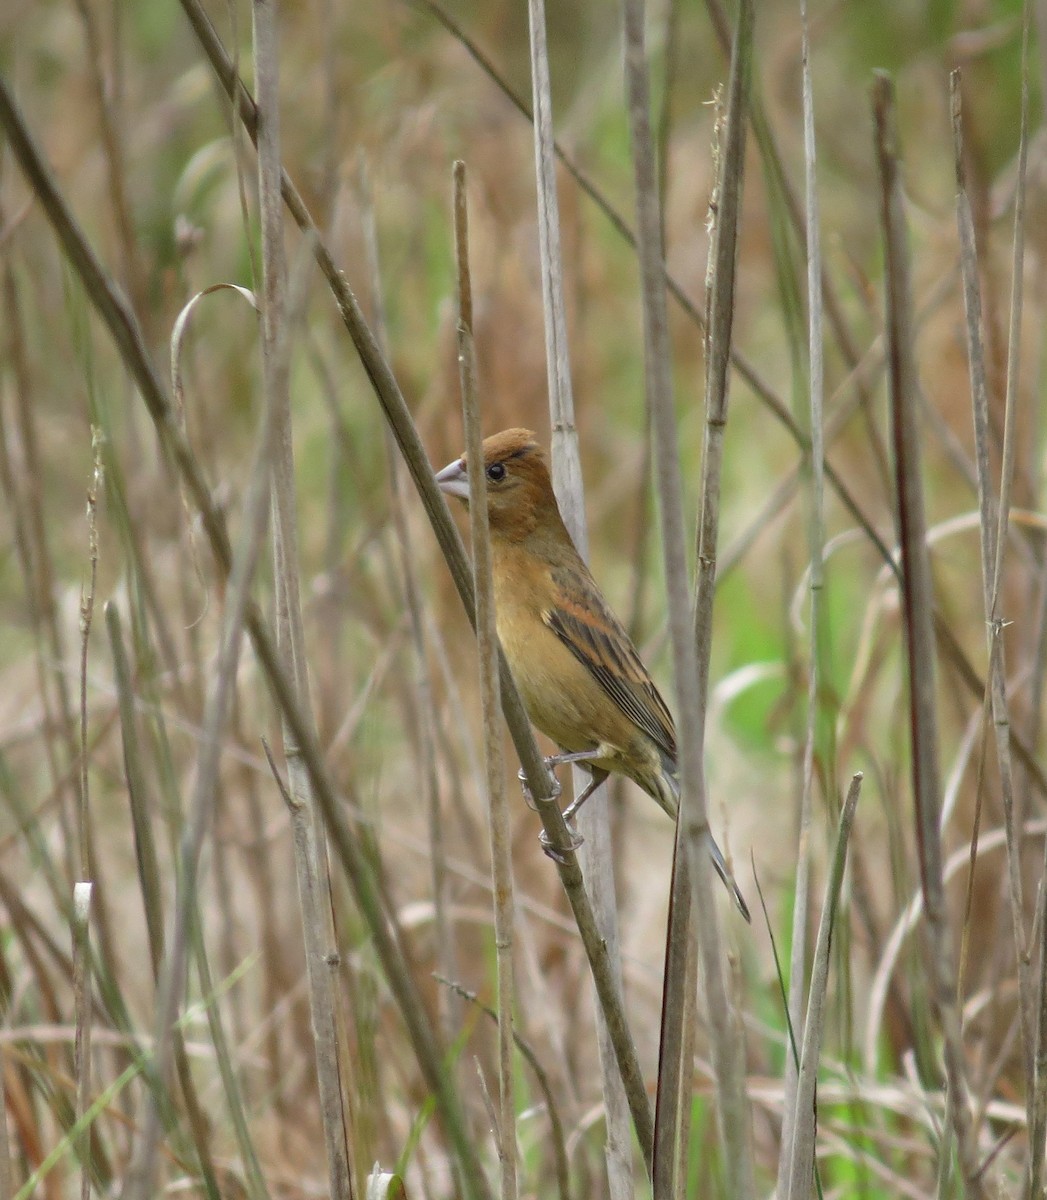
(579, 675)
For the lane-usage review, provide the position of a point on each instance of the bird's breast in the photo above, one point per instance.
(562, 696)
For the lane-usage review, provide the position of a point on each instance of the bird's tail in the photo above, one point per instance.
(671, 803)
(728, 879)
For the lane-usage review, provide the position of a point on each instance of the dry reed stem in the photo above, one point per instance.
(792, 1136)
(311, 859)
(1037, 1103)
(799, 217)
(86, 870)
(6, 1170)
(728, 1050)
(918, 612)
(803, 1123)
(992, 528)
(679, 1015)
(596, 857)
(82, 1041)
(490, 702)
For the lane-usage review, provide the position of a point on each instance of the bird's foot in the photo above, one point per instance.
(558, 853)
(528, 795)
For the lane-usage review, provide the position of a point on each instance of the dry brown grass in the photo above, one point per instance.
(384, 90)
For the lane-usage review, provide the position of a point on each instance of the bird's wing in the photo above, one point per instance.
(595, 636)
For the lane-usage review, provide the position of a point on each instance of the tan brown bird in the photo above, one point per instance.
(579, 675)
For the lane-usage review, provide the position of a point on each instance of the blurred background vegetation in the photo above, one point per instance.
(378, 99)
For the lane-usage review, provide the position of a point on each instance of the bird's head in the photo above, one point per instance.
(519, 491)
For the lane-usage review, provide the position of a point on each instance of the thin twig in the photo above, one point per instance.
(82, 1042)
(692, 896)
(672, 1115)
(279, 309)
(993, 533)
(596, 857)
(918, 612)
(804, 1124)
(490, 704)
(796, 1108)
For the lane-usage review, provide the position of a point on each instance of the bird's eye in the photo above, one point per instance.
(496, 472)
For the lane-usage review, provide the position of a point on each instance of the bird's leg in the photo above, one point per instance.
(571, 811)
(552, 762)
(579, 756)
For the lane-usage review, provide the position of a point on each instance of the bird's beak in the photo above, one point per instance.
(454, 479)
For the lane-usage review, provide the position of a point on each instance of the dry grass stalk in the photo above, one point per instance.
(85, 865)
(490, 702)
(679, 1013)
(596, 856)
(692, 647)
(311, 859)
(993, 531)
(918, 609)
(816, 716)
(82, 1043)
(796, 1182)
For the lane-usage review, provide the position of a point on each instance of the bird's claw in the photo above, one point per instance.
(528, 795)
(557, 853)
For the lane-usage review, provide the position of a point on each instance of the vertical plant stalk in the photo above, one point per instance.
(918, 619)
(796, 1183)
(816, 717)
(311, 865)
(82, 1037)
(567, 470)
(678, 1016)
(692, 894)
(149, 880)
(1038, 1102)
(992, 528)
(728, 1050)
(85, 865)
(596, 853)
(490, 696)
(7, 1175)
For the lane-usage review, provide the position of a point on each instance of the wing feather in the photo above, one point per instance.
(596, 637)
